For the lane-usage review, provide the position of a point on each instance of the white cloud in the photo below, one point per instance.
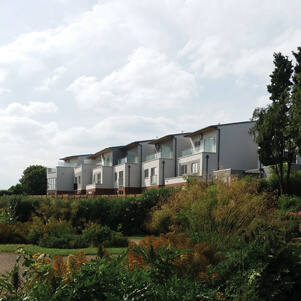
(50, 81)
(33, 108)
(263, 101)
(148, 81)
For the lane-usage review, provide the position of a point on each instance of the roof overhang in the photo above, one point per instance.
(204, 130)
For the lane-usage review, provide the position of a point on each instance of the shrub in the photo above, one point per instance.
(172, 254)
(263, 268)
(289, 203)
(96, 234)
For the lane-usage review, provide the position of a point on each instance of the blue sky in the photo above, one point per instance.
(78, 76)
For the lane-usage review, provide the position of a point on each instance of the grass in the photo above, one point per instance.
(32, 249)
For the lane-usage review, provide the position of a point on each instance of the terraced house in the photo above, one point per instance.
(167, 161)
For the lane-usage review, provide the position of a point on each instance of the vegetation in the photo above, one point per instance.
(235, 240)
(277, 130)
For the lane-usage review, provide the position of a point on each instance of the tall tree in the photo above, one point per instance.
(34, 180)
(277, 127)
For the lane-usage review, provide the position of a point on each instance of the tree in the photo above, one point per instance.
(34, 180)
(16, 189)
(277, 127)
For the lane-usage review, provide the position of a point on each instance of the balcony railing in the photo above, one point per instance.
(65, 164)
(153, 156)
(192, 151)
(154, 180)
(123, 160)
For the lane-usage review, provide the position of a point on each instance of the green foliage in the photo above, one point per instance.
(289, 203)
(34, 180)
(277, 128)
(96, 234)
(217, 213)
(104, 279)
(263, 268)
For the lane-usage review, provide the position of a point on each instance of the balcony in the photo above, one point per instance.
(51, 170)
(192, 151)
(65, 164)
(123, 160)
(153, 157)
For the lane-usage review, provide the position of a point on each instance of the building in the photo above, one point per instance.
(61, 178)
(101, 173)
(214, 148)
(163, 162)
(222, 149)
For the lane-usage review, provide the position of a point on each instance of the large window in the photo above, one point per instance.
(51, 183)
(121, 178)
(154, 176)
(210, 145)
(194, 167)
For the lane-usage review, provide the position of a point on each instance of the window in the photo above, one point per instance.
(184, 169)
(98, 178)
(121, 178)
(51, 184)
(210, 145)
(115, 176)
(197, 143)
(146, 173)
(194, 167)
(78, 179)
(154, 176)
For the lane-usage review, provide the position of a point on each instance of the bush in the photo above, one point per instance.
(216, 213)
(264, 268)
(96, 234)
(289, 203)
(66, 241)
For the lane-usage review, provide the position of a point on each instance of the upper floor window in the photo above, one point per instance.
(210, 145)
(197, 143)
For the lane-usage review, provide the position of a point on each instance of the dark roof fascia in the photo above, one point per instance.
(75, 157)
(135, 143)
(105, 150)
(167, 137)
(202, 130)
(216, 126)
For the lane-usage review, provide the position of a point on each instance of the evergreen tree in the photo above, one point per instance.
(277, 128)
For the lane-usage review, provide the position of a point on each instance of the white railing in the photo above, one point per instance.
(192, 151)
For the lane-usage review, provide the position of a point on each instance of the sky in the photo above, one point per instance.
(79, 76)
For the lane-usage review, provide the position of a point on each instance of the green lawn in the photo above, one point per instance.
(32, 249)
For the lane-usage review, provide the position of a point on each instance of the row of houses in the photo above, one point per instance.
(165, 161)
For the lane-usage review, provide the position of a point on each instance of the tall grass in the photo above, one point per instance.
(216, 213)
